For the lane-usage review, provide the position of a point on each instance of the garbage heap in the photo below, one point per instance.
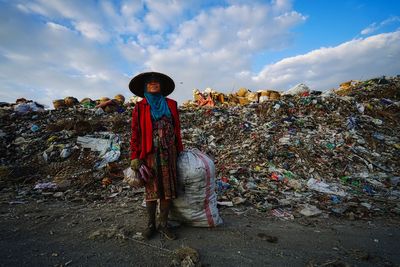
(77, 153)
(104, 104)
(211, 98)
(304, 154)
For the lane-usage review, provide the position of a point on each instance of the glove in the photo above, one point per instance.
(135, 164)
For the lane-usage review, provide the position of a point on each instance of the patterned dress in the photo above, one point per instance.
(162, 161)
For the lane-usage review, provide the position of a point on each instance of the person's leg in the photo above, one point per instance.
(151, 207)
(165, 205)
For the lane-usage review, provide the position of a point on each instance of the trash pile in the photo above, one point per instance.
(23, 105)
(68, 152)
(212, 98)
(301, 154)
(104, 104)
(306, 154)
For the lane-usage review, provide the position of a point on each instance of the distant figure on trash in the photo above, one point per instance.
(156, 142)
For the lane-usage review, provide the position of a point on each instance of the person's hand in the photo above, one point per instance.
(135, 164)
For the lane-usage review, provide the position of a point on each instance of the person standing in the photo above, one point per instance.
(156, 141)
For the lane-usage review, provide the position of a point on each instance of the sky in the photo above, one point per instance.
(53, 49)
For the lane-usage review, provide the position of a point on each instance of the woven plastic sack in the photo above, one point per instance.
(298, 90)
(196, 204)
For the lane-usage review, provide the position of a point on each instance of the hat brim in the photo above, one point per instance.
(138, 83)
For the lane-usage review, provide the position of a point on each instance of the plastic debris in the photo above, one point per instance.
(35, 128)
(47, 185)
(282, 214)
(310, 210)
(323, 187)
(65, 153)
(299, 89)
(95, 144)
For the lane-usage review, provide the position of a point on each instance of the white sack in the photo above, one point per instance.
(297, 89)
(196, 204)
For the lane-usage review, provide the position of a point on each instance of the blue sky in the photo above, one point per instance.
(53, 49)
(330, 23)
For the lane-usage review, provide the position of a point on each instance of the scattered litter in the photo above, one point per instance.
(310, 210)
(48, 185)
(186, 257)
(323, 187)
(282, 214)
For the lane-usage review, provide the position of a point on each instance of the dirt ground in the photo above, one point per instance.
(55, 232)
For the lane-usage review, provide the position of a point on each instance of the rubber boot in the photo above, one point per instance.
(163, 220)
(150, 230)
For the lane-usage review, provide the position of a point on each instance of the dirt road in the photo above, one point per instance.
(60, 233)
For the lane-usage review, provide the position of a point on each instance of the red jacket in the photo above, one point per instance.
(142, 129)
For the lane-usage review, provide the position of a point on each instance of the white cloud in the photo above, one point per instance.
(72, 9)
(370, 29)
(324, 68)
(247, 27)
(82, 15)
(92, 31)
(373, 27)
(56, 26)
(121, 19)
(163, 15)
(32, 8)
(214, 48)
(133, 52)
(130, 8)
(48, 61)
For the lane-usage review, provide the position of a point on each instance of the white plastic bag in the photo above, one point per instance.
(323, 187)
(297, 89)
(22, 108)
(196, 204)
(132, 179)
